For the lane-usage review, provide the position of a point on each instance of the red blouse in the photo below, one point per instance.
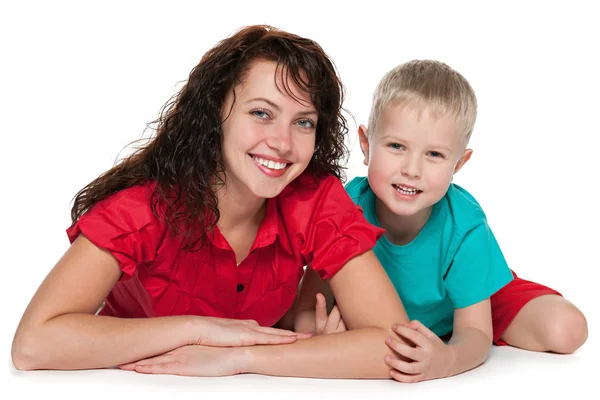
(307, 224)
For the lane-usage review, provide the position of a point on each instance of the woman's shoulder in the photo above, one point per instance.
(310, 199)
(128, 209)
(139, 195)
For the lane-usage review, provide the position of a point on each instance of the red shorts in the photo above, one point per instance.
(508, 301)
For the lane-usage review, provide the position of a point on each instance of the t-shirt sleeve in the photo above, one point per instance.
(124, 225)
(332, 229)
(478, 269)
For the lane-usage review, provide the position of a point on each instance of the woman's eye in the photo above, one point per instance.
(307, 123)
(262, 114)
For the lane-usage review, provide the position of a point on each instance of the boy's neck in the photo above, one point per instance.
(400, 229)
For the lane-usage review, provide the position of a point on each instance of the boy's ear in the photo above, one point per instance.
(463, 160)
(363, 139)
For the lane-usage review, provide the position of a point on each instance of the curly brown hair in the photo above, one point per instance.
(184, 157)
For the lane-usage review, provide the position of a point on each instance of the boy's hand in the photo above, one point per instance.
(431, 357)
(324, 324)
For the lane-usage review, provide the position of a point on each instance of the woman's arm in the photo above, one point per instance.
(370, 306)
(59, 329)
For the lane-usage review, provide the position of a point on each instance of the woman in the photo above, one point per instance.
(197, 242)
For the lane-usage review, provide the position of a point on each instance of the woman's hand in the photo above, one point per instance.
(192, 360)
(223, 332)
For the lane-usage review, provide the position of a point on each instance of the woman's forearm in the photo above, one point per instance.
(357, 353)
(369, 305)
(84, 341)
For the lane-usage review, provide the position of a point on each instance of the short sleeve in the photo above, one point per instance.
(328, 228)
(478, 269)
(124, 225)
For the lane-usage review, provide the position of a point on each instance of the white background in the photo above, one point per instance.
(80, 81)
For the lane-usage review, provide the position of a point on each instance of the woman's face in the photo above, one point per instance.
(269, 137)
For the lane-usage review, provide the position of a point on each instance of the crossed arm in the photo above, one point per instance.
(60, 331)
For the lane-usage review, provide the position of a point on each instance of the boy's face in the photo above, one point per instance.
(412, 158)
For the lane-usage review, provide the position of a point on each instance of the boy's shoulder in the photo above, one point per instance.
(357, 187)
(463, 208)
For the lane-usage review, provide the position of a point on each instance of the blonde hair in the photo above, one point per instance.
(426, 84)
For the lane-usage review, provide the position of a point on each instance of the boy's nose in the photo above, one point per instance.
(411, 167)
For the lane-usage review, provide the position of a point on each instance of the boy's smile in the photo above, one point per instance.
(412, 158)
(407, 192)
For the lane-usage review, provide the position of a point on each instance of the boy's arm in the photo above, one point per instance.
(287, 321)
(304, 318)
(471, 338)
(431, 358)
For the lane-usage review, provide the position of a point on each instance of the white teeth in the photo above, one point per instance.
(405, 190)
(269, 163)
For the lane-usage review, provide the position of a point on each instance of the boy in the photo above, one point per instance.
(438, 249)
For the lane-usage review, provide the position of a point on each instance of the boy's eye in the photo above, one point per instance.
(436, 154)
(395, 146)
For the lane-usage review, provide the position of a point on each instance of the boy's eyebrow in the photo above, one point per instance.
(442, 148)
(392, 137)
(435, 147)
(275, 106)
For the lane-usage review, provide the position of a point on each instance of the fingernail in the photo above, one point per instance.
(388, 339)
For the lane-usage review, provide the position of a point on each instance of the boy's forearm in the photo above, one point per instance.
(304, 321)
(470, 348)
(354, 354)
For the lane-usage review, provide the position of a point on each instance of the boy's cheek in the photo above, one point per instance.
(382, 164)
(378, 174)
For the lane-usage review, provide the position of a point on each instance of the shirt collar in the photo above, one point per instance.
(269, 230)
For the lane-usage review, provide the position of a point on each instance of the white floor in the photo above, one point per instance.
(83, 81)
(507, 372)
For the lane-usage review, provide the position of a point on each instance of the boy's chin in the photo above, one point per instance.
(406, 213)
(406, 209)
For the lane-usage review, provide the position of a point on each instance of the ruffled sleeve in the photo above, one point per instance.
(124, 225)
(326, 229)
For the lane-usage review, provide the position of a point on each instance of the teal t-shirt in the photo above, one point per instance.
(454, 262)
